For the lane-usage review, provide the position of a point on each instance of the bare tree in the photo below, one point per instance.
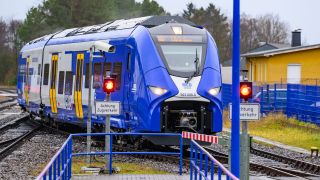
(3, 34)
(271, 29)
(267, 28)
(12, 35)
(249, 38)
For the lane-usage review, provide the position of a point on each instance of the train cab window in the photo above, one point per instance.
(182, 58)
(117, 70)
(61, 82)
(46, 74)
(86, 82)
(97, 75)
(68, 84)
(106, 68)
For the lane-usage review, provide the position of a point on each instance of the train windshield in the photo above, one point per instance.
(183, 55)
(182, 58)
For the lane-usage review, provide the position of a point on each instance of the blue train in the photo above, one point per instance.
(167, 73)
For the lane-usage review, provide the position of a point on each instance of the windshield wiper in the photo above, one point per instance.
(196, 61)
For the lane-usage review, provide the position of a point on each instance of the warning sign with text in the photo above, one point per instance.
(107, 108)
(248, 111)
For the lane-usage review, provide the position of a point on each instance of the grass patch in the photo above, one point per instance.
(279, 128)
(125, 168)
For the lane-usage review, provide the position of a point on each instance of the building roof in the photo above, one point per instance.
(264, 46)
(273, 52)
(228, 63)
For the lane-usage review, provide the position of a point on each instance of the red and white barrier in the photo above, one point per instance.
(200, 137)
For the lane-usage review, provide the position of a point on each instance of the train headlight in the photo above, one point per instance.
(214, 91)
(157, 90)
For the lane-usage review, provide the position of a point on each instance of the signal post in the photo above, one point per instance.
(245, 94)
(248, 112)
(108, 87)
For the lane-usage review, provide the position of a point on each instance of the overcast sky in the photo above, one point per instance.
(303, 14)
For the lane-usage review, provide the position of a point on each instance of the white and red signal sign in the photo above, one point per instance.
(200, 137)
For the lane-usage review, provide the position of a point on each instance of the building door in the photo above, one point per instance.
(294, 74)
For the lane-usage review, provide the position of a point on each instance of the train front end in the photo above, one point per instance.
(185, 88)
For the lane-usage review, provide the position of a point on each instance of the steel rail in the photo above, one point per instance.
(269, 170)
(13, 146)
(298, 164)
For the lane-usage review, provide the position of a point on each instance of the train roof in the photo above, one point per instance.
(115, 29)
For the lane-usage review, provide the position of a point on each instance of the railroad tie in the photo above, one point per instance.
(316, 150)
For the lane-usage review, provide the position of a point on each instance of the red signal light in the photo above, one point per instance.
(245, 90)
(109, 85)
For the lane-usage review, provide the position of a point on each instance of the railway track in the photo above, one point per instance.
(295, 163)
(7, 103)
(269, 168)
(266, 163)
(14, 134)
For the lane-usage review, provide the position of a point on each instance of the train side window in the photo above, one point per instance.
(97, 75)
(117, 70)
(39, 69)
(46, 74)
(68, 85)
(61, 82)
(106, 67)
(86, 82)
(129, 61)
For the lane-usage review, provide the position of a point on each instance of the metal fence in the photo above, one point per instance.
(272, 98)
(304, 103)
(202, 162)
(60, 166)
(295, 100)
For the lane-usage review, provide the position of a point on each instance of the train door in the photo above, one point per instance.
(60, 94)
(63, 86)
(53, 83)
(27, 82)
(127, 83)
(96, 83)
(78, 85)
(21, 79)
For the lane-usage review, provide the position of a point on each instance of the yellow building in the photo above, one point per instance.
(286, 65)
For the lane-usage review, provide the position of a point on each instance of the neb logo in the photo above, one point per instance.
(187, 85)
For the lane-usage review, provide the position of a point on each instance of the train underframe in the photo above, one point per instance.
(178, 116)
